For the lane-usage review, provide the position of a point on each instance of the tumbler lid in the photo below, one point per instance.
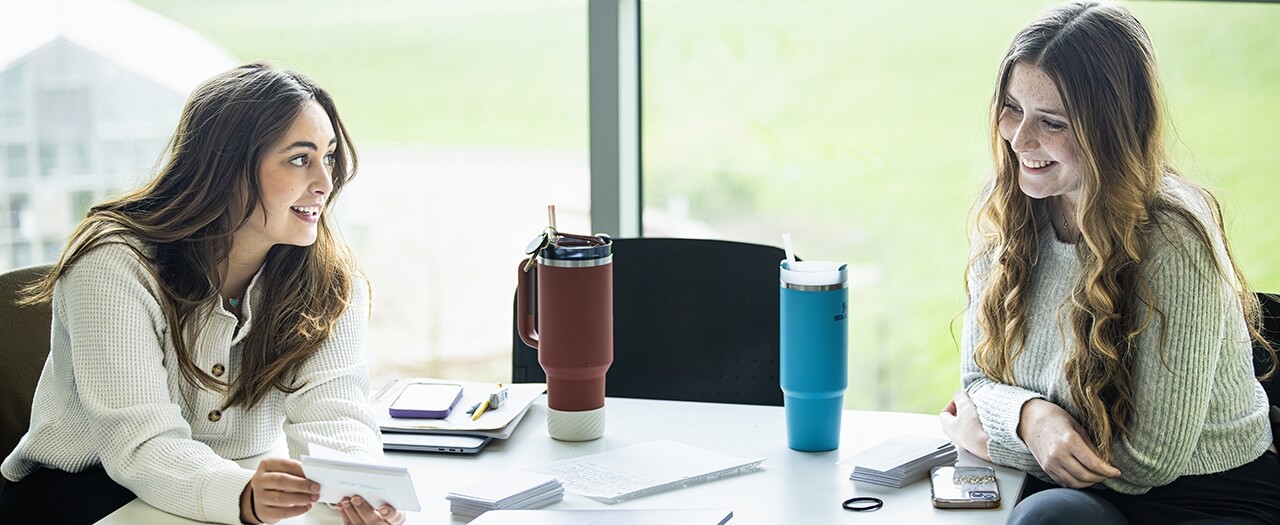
(577, 250)
(813, 273)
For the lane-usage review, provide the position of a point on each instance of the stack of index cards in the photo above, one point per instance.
(901, 461)
(515, 489)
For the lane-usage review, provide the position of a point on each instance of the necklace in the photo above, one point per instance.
(234, 302)
(1068, 233)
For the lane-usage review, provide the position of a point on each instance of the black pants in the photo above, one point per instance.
(54, 496)
(1249, 494)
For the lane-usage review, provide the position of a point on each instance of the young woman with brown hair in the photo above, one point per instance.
(198, 318)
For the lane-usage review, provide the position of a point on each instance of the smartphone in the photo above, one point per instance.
(964, 488)
(426, 400)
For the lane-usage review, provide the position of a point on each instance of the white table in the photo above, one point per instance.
(792, 487)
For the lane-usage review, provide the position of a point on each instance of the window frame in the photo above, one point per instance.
(613, 43)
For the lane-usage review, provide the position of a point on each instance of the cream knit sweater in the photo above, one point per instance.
(1204, 413)
(111, 394)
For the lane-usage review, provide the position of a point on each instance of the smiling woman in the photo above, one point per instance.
(195, 314)
(1107, 338)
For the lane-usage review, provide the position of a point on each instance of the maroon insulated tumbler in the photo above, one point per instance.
(572, 329)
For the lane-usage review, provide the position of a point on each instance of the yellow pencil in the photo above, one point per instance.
(480, 410)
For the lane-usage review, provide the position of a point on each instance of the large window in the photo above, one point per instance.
(469, 117)
(860, 128)
(857, 127)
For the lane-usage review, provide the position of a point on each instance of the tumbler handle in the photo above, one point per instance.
(525, 305)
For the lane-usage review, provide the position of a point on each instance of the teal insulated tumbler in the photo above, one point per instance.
(814, 328)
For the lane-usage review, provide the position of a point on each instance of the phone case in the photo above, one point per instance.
(426, 401)
(964, 488)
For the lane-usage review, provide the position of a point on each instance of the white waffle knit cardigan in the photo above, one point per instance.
(1199, 410)
(111, 394)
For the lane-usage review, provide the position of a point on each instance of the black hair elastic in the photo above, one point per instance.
(868, 504)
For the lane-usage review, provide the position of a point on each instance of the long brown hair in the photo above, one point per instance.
(1101, 60)
(206, 189)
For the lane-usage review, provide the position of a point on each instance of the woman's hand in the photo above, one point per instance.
(278, 490)
(960, 423)
(1061, 446)
(357, 511)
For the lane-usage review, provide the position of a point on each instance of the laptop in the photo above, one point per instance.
(444, 443)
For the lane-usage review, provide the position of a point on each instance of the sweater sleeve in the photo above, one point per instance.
(108, 304)
(1173, 388)
(332, 408)
(999, 405)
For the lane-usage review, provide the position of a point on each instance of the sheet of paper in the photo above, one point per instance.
(340, 476)
(647, 468)
(609, 516)
(519, 397)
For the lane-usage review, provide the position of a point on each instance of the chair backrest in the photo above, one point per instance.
(1262, 360)
(23, 349)
(708, 306)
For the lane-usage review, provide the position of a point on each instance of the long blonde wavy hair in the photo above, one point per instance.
(187, 214)
(1101, 60)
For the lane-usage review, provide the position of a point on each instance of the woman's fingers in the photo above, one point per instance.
(393, 516)
(1091, 459)
(285, 490)
(358, 511)
(285, 465)
(281, 490)
(1092, 462)
(286, 483)
(948, 422)
(272, 513)
(1072, 462)
(279, 498)
(1078, 475)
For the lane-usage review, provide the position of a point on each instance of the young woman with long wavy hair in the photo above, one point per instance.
(202, 316)
(1107, 344)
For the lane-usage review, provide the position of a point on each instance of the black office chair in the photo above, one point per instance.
(694, 320)
(23, 348)
(1262, 360)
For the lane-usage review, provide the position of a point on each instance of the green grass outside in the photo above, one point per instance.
(859, 127)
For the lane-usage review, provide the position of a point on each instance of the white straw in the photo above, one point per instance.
(786, 246)
(551, 216)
